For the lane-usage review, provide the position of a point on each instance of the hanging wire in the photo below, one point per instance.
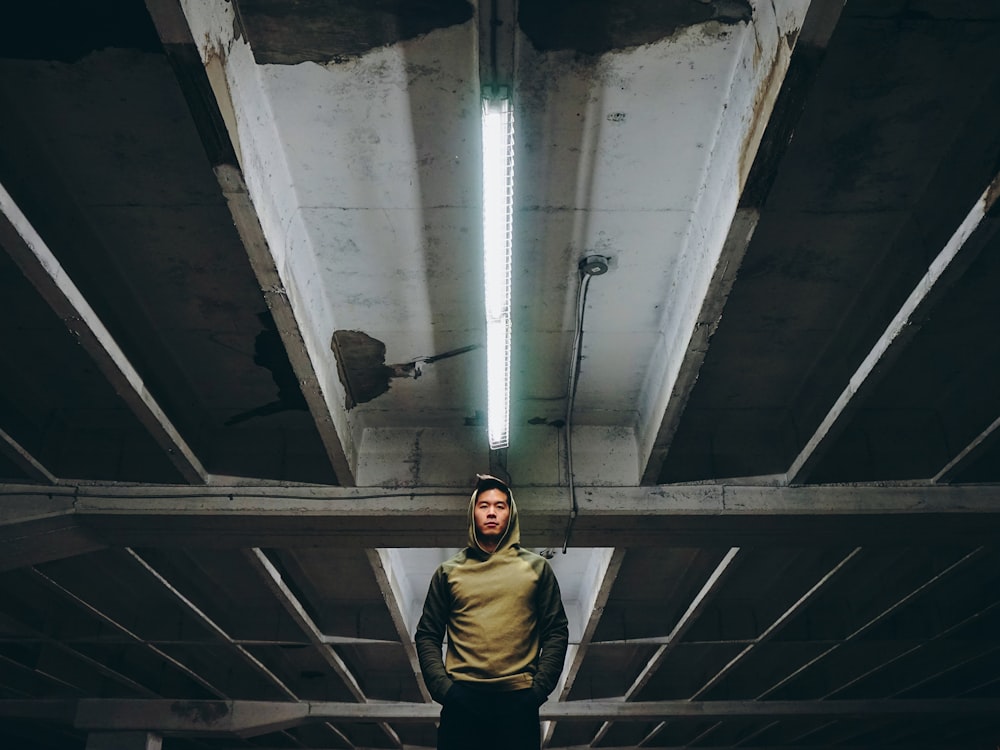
(577, 358)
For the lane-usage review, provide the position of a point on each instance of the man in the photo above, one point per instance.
(507, 632)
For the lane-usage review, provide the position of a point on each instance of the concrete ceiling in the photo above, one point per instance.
(242, 393)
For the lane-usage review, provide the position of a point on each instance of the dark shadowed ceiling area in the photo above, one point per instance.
(243, 371)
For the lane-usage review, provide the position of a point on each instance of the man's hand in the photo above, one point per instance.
(460, 697)
(537, 696)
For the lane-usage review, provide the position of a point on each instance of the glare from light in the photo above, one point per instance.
(498, 208)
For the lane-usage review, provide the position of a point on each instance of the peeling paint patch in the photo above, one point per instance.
(593, 27)
(361, 366)
(322, 31)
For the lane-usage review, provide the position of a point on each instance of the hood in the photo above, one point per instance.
(512, 536)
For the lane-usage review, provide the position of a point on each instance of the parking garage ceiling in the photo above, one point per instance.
(243, 389)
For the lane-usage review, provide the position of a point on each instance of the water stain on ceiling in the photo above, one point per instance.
(322, 31)
(593, 27)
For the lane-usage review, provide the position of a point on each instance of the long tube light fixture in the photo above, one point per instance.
(498, 209)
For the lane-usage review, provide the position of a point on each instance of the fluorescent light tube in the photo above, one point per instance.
(498, 209)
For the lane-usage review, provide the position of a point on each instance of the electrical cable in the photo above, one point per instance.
(577, 359)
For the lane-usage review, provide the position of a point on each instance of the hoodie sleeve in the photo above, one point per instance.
(430, 636)
(553, 629)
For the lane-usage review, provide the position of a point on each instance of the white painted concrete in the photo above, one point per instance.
(365, 174)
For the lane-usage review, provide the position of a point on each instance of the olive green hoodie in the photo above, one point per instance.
(503, 614)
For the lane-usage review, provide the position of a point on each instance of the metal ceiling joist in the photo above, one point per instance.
(969, 238)
(40, 266)
(240, 650)
(211, 106)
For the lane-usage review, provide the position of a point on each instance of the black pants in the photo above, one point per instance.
(478, 719)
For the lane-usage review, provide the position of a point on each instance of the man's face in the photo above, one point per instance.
(491, 514)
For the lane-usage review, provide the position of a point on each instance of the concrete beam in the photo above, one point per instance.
(210, 101)
(880, 617)
(213, 627)
(683, 515)
(594, 603)
(970, 453)
(272, 578)
(276, 295)
(41, 267)
(970, 237)
(388, 583)
(778, 624)
(269, 219)
(121, 629)
(785, 60)
(250, 718)
(694, 610)
(38, 525)
(21, 457)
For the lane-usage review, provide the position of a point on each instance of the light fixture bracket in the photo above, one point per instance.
(496, 92)
(594, 265)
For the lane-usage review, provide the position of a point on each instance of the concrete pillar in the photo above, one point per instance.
(124, 741)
